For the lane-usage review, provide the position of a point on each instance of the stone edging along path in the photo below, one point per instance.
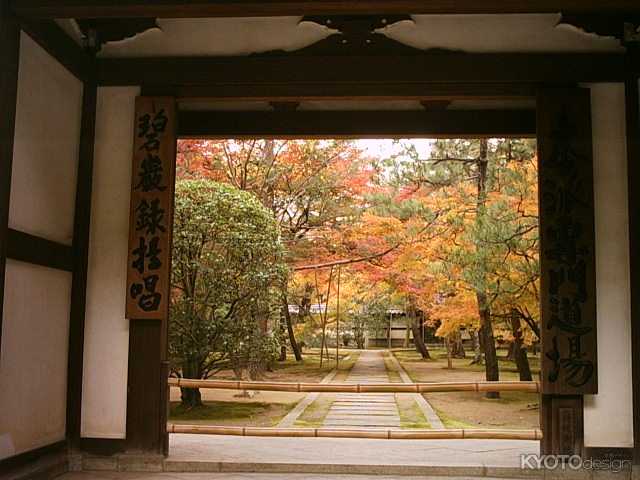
(290, 418)
(365, 410)
(425, 407)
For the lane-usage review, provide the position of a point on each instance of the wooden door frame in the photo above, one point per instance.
(212, 124)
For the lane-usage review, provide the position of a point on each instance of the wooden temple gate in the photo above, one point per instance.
(561, 121)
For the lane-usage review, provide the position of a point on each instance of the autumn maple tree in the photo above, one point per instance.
(446, 234)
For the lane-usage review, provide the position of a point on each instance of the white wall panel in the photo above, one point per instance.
(608, 415)
(33, 363)
(45, 162)
(106, 346)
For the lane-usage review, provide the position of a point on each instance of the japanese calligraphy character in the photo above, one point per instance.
(150, 174)
(554, 356)
(579, 370)
(151, 130)
(149, 217)
(149, 299)
(144, 251)
(568, 316)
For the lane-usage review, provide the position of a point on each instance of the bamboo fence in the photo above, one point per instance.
(386, 434)
(533, 387)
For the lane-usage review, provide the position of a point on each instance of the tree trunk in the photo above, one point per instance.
(283, 345)
(292, 338)
(191, 397)
(484, 309)
(418, 341)
(406, 335)
(520, 352)
(477, 348)
(458, 347)
(492, 371)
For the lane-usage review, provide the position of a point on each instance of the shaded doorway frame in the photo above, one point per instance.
(280, 123)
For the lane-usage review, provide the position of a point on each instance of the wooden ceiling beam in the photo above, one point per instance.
(291, 70)
(250, 8)
(60, 46)
(363, 91)
(357, 124)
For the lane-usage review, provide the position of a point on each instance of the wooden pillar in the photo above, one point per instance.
(9, 61)
(82, 222)
(146, 398)
(567, 264)
(149, 271)
(561, 422)
(633, 171)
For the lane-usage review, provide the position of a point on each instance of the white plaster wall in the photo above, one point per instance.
(33, 363)
(608, 415)
(43, 181)
(106, 343)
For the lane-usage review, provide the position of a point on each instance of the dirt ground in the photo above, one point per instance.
(470, 409)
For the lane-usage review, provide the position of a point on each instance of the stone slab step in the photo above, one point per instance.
(374, 420)
(356, 401)
(364, 410)
(362, 414)
(364, 423)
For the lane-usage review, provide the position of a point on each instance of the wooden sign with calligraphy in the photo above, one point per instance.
(151, 217)
(567, 239)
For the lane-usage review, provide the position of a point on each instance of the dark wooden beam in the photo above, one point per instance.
(82, 222)
(293, 70)
(435, 105)
(251, 8)
(633, 168)
(60, 46)
(28, 248)
(310, 91)
(9, 61)
(362, 124)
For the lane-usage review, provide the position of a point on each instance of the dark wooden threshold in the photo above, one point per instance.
(39, 251)
(361, 124)
(608, 453)
(102, 446)
(43, 462)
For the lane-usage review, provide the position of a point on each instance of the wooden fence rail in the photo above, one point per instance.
(390, 434)
(533, 387)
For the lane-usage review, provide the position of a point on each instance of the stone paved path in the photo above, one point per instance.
(373, 410)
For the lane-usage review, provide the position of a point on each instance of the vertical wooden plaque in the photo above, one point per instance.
(567, 239)
(151, 216)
